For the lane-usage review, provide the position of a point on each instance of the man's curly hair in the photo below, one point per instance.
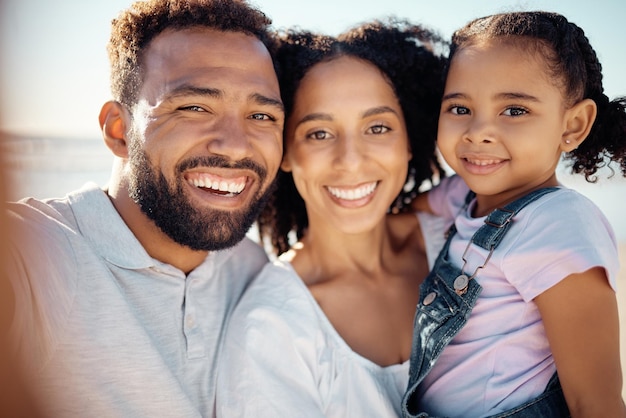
(411, 58)
(134, 29)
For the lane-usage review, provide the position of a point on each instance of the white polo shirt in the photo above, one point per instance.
(105, 329)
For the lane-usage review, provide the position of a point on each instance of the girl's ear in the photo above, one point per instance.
(113, 120)
(578, 123)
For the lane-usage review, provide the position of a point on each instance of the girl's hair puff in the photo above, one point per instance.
(574, 65)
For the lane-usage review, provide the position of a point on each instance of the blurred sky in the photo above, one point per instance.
(54, 73)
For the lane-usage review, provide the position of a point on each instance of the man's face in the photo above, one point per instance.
(206, 136)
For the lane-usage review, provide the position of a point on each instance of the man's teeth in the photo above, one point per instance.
(221, 186)
(353, 194)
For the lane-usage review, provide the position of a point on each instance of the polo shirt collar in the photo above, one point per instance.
(101, 224)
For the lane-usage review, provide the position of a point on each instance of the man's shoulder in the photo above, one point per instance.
(249, 248)
(44, 232)
(39, 212)
(36, 223)
(247, 257)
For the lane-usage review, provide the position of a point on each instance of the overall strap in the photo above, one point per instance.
(499, 220)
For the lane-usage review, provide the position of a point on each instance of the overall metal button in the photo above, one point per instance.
(460, 284)
(429, 298)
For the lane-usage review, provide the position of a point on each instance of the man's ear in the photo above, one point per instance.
(113, 120)
(578, 123)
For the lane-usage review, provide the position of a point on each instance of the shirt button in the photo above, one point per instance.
(189, 321)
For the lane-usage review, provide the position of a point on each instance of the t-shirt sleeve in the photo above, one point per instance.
(448, 197)
(41, 270)
(268, 361)
(564, 234)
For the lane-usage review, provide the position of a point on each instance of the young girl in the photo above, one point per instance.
(537, 261)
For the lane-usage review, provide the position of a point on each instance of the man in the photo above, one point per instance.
(122, 293)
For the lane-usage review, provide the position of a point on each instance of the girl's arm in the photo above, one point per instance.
(582, 324)
(420, 204)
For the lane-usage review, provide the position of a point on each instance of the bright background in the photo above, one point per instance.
(54, 75)
(54, 78)
(55, 70)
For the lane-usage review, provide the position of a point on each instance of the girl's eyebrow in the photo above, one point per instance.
(517, 96)
(506, 95)
(454, 96)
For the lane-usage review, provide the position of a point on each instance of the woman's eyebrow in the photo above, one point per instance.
(377, 111)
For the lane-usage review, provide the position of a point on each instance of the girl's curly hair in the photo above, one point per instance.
(573, 63)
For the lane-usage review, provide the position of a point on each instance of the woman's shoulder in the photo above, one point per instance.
(277, 290)
(276, 280)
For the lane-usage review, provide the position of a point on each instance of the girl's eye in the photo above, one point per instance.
(515, 111)
(459, 110)
(378, 129)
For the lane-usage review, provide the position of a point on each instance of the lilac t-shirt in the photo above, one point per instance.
(502, 358)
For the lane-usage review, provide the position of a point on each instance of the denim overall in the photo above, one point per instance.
(447, 297)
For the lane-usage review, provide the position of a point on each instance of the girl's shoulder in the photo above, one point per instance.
(570, 204)
(565, 211)
(448, 197)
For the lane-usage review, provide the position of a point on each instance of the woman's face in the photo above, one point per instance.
(347, 145)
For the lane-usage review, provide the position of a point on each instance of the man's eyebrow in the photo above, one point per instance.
(267, 101)
(378, 110)
(189, 90)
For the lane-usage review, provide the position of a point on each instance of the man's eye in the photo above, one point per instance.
(261, 116)
(193, 108)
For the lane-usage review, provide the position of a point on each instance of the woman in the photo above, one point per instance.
(325, 331)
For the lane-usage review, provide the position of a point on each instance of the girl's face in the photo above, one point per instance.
(502, 121)
(347, 145)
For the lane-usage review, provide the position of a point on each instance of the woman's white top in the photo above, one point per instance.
(283, 358)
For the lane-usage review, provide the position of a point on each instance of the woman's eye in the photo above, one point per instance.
(515, 111)
(459, 110)
(318, 135)
(379, 129)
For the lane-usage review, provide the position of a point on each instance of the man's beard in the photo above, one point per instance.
(203, 229)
